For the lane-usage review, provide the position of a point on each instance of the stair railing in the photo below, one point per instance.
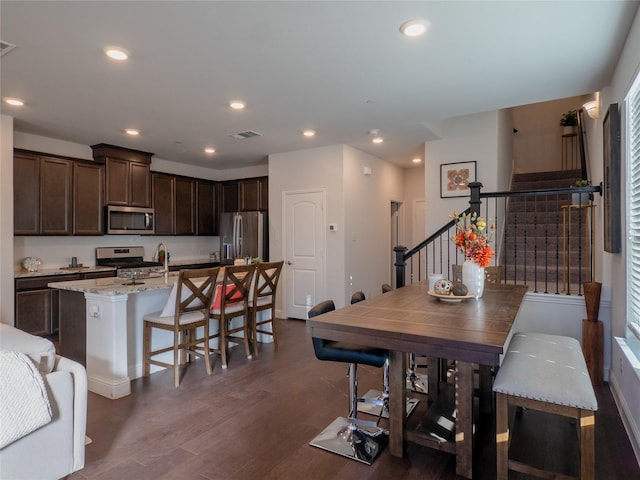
(543, 238)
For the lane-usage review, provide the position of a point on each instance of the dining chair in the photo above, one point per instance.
(386, 288)
(231, 301)
(351, 437)
(456, 273)
(357, 297)
(264, 298)
(191, 297)
(493, 274)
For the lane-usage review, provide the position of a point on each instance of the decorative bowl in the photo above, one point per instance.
(31, 264)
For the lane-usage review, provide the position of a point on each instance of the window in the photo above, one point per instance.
(633, 207)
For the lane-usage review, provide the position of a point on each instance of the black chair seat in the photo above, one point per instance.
(349, 353)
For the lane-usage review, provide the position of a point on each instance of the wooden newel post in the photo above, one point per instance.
(474, 201)
(593, 333)
(400, 265)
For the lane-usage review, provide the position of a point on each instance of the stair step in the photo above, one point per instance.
(549, 175)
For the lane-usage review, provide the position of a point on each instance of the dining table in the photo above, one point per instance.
(471, 333)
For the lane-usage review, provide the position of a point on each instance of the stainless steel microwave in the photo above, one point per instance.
(129, 220)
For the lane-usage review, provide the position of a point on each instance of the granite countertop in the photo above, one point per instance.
(116, 285)
(19, 273)
(191, 261)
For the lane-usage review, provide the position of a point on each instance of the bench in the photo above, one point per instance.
(547, 373)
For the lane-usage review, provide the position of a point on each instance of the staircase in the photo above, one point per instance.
(537, 248)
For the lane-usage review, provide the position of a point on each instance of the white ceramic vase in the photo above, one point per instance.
(473, 277)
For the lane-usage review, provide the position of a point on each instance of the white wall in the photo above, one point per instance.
(316, 168)
(6, 220)
(462, 139)
(413, 182)
(358, 254)
(625, 372)
(537, 147)
(367, 202)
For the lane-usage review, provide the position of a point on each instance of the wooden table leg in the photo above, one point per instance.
(464, 420)
(397, 403)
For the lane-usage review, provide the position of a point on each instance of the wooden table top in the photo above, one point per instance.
(409, 320)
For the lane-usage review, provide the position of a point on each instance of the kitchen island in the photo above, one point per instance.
(112, 310)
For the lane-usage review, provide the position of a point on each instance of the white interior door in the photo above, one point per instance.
(304, 246)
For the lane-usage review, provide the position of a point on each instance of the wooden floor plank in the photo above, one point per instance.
(255, 420)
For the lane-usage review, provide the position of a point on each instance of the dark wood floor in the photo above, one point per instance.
(255, 421)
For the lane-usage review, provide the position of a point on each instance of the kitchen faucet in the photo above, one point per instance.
(165, 260)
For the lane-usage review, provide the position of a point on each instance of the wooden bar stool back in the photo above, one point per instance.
(186, 314)
(264, 298)
(231, 300)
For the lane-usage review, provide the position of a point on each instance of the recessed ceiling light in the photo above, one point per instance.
(309, 133)
(237, 104)
(116, 53)
(16, 102)
(413, 28)
(378, 140)
(416, 160)
(209, 150)
(132, 131)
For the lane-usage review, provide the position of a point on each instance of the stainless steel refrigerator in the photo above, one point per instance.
(243, 234)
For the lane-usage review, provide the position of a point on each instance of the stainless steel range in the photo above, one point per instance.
(129, 261)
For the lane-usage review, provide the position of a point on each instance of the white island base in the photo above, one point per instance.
(114, 329)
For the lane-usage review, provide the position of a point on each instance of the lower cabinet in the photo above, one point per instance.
(37, 307)
(37, 304)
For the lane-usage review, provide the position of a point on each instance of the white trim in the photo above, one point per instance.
(626, 413)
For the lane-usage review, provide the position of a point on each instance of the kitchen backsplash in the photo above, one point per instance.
(57, 251)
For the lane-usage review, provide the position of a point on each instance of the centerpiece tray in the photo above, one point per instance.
(450, 298)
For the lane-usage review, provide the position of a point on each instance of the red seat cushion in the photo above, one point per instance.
(217, 299)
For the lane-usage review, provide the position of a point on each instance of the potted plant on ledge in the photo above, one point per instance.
(568, 122)
(580, 198)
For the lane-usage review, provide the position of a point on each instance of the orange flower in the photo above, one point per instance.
(472, 237)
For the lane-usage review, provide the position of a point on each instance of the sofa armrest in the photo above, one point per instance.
(80, 389)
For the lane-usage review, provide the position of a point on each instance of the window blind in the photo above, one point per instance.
(633, 208)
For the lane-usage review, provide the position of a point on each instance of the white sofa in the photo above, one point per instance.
(56, 449)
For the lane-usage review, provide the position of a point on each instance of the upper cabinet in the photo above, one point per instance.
(88, 199)
(128, 175)
(245, 195)
(42, 194)
(229, 196)
(174, 203)
(206, 215)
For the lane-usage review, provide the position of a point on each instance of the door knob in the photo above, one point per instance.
(289, 263)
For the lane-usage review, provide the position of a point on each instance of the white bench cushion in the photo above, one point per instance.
(40, 350)
(549, 368)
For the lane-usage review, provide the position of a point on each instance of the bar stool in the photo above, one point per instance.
(350, 437)
(264, 298)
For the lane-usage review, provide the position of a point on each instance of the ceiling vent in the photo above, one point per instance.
(245, 135)
(6, 47)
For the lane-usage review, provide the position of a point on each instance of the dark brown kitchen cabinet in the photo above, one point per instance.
(127, 183)
(42, 195)
(253, 194)
(206, 218)
(26, 194)
(185, 206)
(162, 187)
(127, 175)
(229, 196)
(174, 203)
(56, 177)
(88, 199)
(36, 305)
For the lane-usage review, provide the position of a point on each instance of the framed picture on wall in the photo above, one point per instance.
(611, 184)
(455, 179)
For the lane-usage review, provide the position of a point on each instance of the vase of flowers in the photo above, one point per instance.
(472, 238)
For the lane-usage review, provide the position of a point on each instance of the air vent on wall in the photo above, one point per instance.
(244, 135)
(5, 47)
